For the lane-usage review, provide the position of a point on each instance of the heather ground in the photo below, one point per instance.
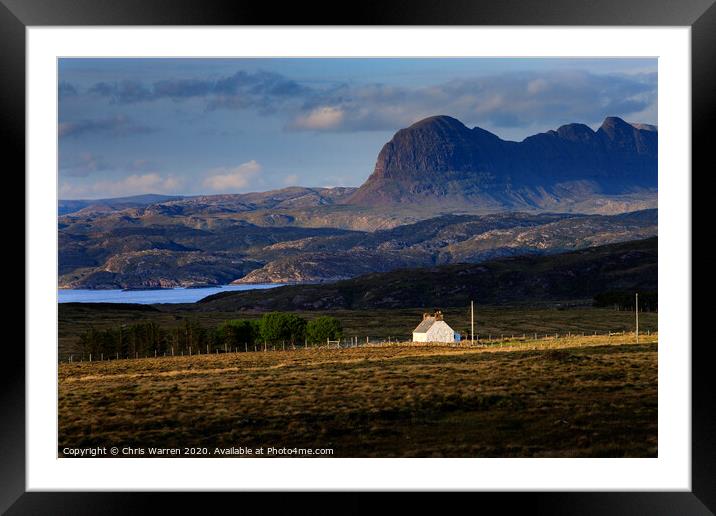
(591, 396)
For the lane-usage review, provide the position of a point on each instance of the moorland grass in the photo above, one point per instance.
(592, 396)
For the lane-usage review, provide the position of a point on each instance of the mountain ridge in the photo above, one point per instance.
(439, 159)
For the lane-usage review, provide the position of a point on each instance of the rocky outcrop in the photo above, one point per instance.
(159, 269)
(443, 240)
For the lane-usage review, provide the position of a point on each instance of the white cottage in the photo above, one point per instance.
(433, 329)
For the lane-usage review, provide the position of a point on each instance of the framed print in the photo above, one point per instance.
(399, 252)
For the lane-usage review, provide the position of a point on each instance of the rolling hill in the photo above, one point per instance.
(519, 280)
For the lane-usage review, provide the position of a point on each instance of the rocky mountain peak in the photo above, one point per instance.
(439, 124)
(614, 127)
(575, 132)
(439, 160)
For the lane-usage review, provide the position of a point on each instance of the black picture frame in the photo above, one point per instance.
(17, 15)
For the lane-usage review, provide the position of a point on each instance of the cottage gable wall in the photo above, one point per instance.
(440, 332)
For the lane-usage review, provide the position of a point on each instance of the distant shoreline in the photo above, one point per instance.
(173, 295)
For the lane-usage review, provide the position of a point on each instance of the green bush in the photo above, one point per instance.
(323, 328)
(280, 326)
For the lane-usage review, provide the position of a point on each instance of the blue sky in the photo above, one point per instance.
(203, 126)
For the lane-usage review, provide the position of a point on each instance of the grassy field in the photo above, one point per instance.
(379, 324)
(592, 396)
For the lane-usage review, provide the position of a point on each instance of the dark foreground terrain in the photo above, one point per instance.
(575, 397)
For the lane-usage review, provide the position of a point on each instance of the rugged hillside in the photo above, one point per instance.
(126, 252)
(118, 203)
(285, 199)
(526, 279)
(442, 240)
(440, 161)
(160, 269)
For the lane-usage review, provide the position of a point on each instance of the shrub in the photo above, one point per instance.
(323, 328)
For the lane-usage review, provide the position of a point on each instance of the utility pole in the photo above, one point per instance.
(636, 312)
(472, 323)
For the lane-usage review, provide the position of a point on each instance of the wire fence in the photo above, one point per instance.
(533, 341)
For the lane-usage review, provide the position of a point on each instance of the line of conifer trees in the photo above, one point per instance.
(147, 338)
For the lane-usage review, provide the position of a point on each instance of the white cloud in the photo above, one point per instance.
(510, 100)
(320, 119)
(505, 101)
(135, 184)
(228, 179)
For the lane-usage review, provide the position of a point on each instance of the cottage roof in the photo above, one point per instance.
(424, 325)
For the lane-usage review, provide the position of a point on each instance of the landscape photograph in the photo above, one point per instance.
(357, 257)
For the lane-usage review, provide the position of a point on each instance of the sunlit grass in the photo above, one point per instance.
(570, 396)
